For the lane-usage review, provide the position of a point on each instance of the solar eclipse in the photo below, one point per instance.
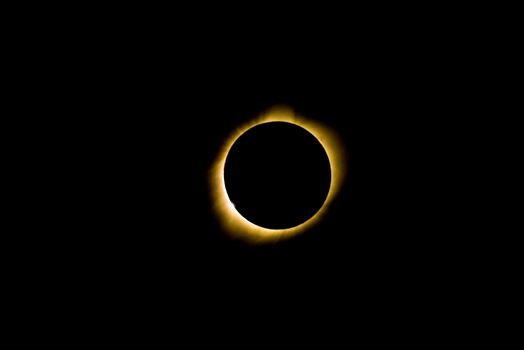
(276, 176)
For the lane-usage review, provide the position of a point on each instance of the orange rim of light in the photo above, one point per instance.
(238, 227)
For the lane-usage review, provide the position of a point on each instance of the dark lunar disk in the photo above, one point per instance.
(277, 175)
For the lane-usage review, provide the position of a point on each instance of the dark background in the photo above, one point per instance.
(122, 113)
(159, 119)
(142, 111)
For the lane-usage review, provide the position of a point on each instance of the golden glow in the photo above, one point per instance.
(235, 224)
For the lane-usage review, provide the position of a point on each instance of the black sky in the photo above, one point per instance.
(163, 126)
(153, 114)
(131, 109)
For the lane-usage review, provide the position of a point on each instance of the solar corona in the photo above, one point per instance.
(243, 227)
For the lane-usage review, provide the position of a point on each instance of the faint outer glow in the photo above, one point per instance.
(235, 224)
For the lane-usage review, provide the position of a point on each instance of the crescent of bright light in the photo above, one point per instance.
(235, 224)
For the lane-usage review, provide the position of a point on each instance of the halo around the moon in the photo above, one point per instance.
(235, 224)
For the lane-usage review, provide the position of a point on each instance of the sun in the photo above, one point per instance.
(233, 223)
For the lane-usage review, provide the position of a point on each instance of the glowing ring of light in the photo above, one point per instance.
(235, 224)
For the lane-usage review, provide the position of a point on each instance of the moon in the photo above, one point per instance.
(243, 227)
(277, 175)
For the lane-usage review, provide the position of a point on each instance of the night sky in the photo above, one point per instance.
(154, 124)
(131, 111)
(163, 134)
